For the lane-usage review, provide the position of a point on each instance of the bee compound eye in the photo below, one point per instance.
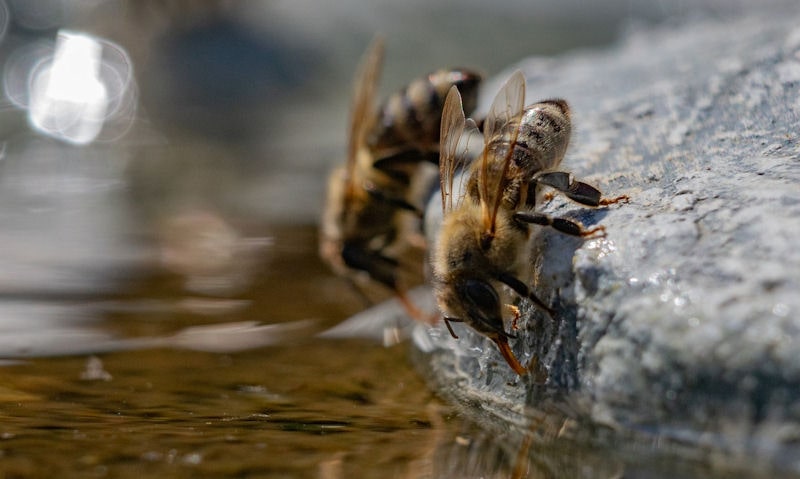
(481, 294)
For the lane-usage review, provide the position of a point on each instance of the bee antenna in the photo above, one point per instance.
(449, 327)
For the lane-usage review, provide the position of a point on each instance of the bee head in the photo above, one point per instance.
(482, 306)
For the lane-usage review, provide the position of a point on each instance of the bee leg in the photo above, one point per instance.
(379, 267)
(383, 269)
(521, 289)
(577, 191)
(409, 306)
(413, 311)
(394, 164)
(618, 199)
(399, 203)
(562, 225)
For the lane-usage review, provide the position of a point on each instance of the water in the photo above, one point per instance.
(122, 406)
(160, 290)
(287, 412)
(305, 408)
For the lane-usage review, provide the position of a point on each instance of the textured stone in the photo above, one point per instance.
(684, 322)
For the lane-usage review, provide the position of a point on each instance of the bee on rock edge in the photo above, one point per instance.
(484, 240)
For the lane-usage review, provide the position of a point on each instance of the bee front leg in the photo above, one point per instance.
(562, 225)
(412, 310)
(577, 191)
(522, 289)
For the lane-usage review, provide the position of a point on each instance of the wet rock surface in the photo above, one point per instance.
(684, 322)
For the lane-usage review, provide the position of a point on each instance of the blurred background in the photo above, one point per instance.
(189, 141)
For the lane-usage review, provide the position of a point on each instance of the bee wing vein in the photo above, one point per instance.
(500, 135)
(450, 134)
(362, 111)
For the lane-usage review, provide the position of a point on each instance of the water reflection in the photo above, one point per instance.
(67, 99)
(280, 412)
(284, 413)
(209, 252)
(74, 88)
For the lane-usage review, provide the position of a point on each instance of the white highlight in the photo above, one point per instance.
(67, 99)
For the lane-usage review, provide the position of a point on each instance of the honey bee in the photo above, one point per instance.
(484, 238)
(373, 205)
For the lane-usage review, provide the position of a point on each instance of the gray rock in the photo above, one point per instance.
(684, 322)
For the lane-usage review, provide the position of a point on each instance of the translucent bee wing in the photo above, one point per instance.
(507, 105)
(500, 131)
(472, 139)
(455, 133)
(450, 131)
(362, 110)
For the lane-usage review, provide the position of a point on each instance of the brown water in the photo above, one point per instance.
(286, 412)
(318, 408)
